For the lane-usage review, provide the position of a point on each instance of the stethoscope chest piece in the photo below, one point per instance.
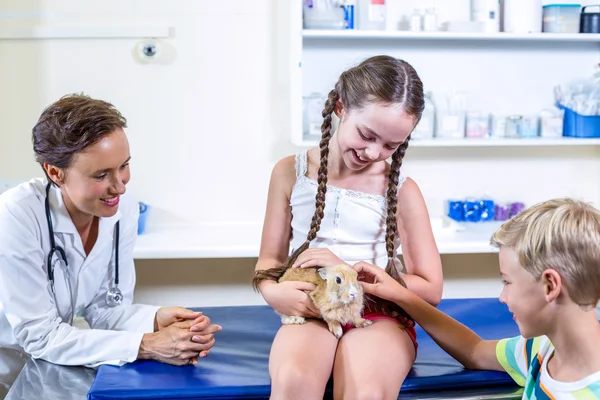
(114, 297)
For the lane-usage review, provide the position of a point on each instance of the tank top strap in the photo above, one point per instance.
(301, 164)
(401, 180)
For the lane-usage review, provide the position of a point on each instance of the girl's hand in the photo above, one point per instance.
(318, 257)
(377, 282)
(289, 298)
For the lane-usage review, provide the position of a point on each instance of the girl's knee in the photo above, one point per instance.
(299, 369)
(293, 381)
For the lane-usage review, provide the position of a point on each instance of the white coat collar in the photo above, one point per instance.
(61, 220)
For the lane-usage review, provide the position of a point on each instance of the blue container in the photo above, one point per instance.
(488, 210)
(580, 126)
(472, 211)
(144, 210)
(349, 16)
(456, 210)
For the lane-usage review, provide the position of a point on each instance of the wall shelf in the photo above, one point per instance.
(91, 31)
(534, 142)
(216, 241)
(405, 35)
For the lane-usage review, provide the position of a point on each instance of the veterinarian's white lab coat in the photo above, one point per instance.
(30, 319)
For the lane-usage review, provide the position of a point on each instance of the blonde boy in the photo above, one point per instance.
(550, 265)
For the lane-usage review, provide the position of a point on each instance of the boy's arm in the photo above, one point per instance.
(460, 342)
(452, 336)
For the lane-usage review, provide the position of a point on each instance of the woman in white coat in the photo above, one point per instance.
(66, 244)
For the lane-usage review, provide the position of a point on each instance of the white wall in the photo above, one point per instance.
(196, 124)
(205, 127)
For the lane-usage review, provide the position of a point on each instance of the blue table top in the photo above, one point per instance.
(238, 365)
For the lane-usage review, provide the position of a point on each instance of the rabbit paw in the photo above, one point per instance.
(335, 328)
(292, 320)
(362, 323)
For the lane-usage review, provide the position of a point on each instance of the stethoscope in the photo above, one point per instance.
(114, 296)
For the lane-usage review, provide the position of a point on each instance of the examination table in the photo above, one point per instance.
(237, 367)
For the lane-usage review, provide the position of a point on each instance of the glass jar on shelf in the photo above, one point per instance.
(426, 126)
(312, 115)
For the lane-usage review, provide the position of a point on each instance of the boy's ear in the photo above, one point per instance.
(552, 284)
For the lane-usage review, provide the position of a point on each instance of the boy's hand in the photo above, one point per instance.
(377, 282)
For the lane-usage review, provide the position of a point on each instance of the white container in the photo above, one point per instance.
(450, 125)
(430, 23)
(477, 125)
(561, 18)
(313, 105)
(551, 123)
(451, 118)
(530, 127)
(499, 126)
(523, 16)
(416, 21)
(371, 15)
(426, 126)
(488, 13)
(395, 11)
(323, 14)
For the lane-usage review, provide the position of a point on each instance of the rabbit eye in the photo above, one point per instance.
(338, 280)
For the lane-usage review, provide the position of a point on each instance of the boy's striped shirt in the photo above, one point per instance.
(526, 361)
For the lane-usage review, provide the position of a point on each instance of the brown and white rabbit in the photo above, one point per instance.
(338, 296)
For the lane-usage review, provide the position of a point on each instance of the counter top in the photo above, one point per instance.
(228, 240)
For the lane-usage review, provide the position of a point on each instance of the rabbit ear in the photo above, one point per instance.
(322, 273)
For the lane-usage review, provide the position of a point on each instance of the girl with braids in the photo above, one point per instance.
(364, 209)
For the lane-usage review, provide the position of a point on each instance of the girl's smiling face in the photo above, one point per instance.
(372, 133)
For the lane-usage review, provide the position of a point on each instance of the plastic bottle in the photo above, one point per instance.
(416, 21)
(430, 22)
(487, 12)
(371, 14)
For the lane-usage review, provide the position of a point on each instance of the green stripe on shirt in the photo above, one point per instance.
(505, 353)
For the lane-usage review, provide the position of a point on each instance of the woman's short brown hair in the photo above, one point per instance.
(71, 124)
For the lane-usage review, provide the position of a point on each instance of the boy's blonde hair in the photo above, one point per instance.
(562, 234)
